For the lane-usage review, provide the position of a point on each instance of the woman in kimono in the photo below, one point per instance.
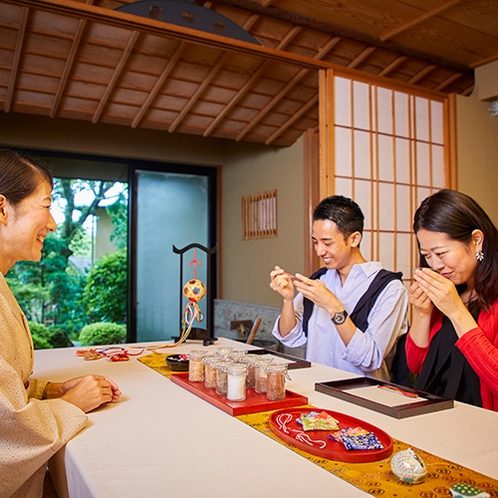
(453, 341)
(36, 418)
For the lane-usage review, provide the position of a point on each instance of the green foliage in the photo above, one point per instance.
(55, 337)
(118, 213)
(40, 343)
(97, 334)
(105, 290)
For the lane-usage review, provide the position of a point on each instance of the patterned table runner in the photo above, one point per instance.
(374, 478)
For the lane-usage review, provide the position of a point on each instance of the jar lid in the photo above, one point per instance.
(237, 368)
(223, 365)
(196, 353)
(277, 367)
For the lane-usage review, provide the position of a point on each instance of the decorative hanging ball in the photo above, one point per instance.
(408, 467)
(194, 290)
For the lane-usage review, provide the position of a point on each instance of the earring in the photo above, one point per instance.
(479, 256)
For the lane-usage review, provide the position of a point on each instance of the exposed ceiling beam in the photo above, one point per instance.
(17, 58)
(67, 67)
(116, 74)
(407, 25)
(394, 64)
(482, 62)
(123, 20)
(361, 57)
(421, 74)
(291, 34)
(450, 79)
(159, 83)
(334, 29)
(207, 80)
(303, 110)
(291, 84)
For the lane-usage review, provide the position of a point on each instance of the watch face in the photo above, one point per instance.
(339, 318)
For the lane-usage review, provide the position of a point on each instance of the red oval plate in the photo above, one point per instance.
(283, 423)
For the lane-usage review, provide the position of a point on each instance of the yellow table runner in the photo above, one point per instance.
(374, 478)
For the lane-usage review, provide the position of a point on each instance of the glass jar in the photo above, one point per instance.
(222, 377)
(276, 374)
(236, 385)
(223, 351)
(250, 360)
(237, 356)
(196, 365)
(210, 362)
(261, 377)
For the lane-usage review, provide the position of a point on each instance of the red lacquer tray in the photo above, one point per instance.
(253, 403)
(284, 424)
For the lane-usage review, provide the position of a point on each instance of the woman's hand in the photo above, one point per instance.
(440, 290)
(420, 300)
(281, 282)
(90, 391)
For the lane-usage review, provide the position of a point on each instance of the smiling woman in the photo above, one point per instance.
(453, 340)
(38, 417)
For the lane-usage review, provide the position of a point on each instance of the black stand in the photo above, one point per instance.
(199, 334)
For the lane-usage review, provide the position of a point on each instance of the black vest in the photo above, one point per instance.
(359, 316)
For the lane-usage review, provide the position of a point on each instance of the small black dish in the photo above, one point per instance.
(177, 362)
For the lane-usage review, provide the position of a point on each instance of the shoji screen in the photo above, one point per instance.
(389, 154)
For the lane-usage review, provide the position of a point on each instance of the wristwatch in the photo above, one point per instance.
(340, 317)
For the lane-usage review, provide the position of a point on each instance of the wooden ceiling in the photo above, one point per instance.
(84, 60)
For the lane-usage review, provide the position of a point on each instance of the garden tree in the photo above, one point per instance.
(50, 291)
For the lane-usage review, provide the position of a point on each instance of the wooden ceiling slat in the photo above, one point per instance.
(16, 58)
(450, 79)
(323, 51)
(115, 76)
(214, 71)
(393, 65)
(431, 13)
(68, 66)
(361, 57)
(159, 83)
(207, 80)
(422, 73)
(291, 34)
(304, 109)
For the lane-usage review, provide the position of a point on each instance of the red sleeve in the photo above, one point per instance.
(482, 354)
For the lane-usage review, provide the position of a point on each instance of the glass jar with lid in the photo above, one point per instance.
(210, 361)
(261, 375)
(222, 377)
(250, 360)
(196, 365)
(276, 374)
(236, 382)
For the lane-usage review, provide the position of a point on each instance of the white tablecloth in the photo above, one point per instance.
(159, 440)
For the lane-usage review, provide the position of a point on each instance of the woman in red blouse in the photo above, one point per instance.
(453, 342)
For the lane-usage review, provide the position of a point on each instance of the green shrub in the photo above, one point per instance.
(100, 333)
(105, 292)
(40, 342)
(55, 337)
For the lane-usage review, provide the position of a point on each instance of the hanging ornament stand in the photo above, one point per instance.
(194, 290)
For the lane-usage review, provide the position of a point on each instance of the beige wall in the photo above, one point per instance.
(249, 169)
(246, 169)
(477, 152)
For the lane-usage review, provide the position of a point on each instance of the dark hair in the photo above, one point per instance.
(458, 215)
(344, 212)
(20, 176)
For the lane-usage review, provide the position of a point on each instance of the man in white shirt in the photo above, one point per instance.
(354, 311)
